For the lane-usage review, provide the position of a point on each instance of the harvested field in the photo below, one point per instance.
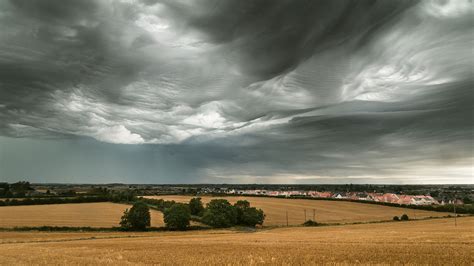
(103, 214)
(325, 211)
(434, 242)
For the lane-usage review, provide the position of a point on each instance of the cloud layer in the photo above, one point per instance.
(248, 90)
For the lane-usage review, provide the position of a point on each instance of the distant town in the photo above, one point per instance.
(392, 194)
(366, 196)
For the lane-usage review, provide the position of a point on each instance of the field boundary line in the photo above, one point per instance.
(73, 239)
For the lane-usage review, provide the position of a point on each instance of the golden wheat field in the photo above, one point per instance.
(103, 214)
(434, 242)
(325, 211)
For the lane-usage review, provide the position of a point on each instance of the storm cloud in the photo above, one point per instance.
(237, 91)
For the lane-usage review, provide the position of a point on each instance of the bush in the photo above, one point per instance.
(404, 217)
(248, 216)
(196, 207)
(395, 218)
(219, 213)
(310, 223)
(177, 216)
(138, 218)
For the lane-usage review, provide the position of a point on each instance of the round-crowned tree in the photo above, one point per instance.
(404, 217)
(248, 216)
(240, 207)
(252, 216)
(220, 213)
(196, 207)
(178, 216)
(137, 218)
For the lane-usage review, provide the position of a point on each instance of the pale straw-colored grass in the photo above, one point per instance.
(102, 214)
(429, 242)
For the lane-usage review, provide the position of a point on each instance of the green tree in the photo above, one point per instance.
(137, 218)
(124, 196)
(242, 204)
(178, 216)
(252, 216)
(467, 200)
(21, 186)
(4, 187)
(196, 207)
(125, 221)
(248, 216)
(404, 217)
(395, 218)
(220, 213)
(240, 207)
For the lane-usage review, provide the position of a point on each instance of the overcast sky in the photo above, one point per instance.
(244, 91)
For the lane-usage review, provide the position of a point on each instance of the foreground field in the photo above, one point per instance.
(325, 211)
(77, 214)
(415, 242)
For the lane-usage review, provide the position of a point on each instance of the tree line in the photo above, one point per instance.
(18, 189)
(218, 213)
(117, 197)
(55, 200)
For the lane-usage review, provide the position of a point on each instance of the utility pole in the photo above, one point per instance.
(287, 218)
(314, 215)
(305, 215)
(455, 215)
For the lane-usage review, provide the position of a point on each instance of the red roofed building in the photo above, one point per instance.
(406, 199)
(390, 198)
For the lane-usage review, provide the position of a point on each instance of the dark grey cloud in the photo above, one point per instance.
(271, 37)
(238, 91)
